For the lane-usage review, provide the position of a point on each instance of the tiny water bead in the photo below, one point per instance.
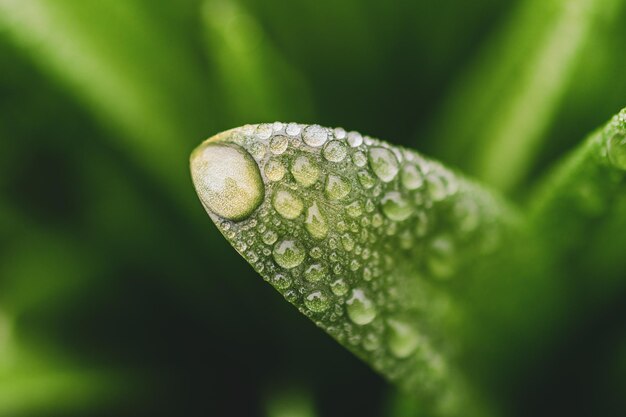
(305, 171)
(315, 135)
(317, 301)
(395, 207)
(227, 180)
(384, 163)
(617, 150)
(315, 223)
(315, 273)
(274, 170)
(288, 253)
(335, 151)
(360, 308)
(278, 144)
(287, 204)
(336, 187)
(281, 281)
(339, 287)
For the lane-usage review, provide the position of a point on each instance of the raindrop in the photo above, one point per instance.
(274, 170)
(355, 139)
(339, 287)
(281, 281)
(403, 339)
(336, 187)
(360, 308)
(287, 204)
(269, 237)
(617, 151)
(314, 135)
(288, 253)
(384, 163)
(305, 171)
(264, 131)
(335, 151)
(395, 207)
(411, 177)
(366, 179)
(227, 180)
(317, 301)
(293, 129)
(314, 272)
(279, 144)
(315, 223)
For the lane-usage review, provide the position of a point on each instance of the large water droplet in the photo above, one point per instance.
(287, 204)
(317, 301)
(360, 308)
(227, 180)
(335, 151)
(384, 163)
(396, 207)
(315, 222)
(617, 151)
(403, 339)
(288, 253)
(314, 135)
(336, 187)
(305, 171)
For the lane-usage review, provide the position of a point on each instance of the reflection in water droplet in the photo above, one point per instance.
(317, 301)
(335, 151)
(315, 222)
(403, 339)
(617, 151)
(396, 207)
(288, 253)
(384, 163)
(227, 180)
(279, 144)
(314, 273)
(305, 171)
(336, 187)
(274, 170)
(314, 135)
(287, 204)
(360, 308)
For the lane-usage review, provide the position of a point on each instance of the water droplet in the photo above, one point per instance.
(617, 151)
(287, 204)
(403, 339)
(316, 252)
(317, 301)
(315, 222)
(274, 170)
(279, 144)
(281, 281)
(437, 187)
(396, 207)
(340, 133)
(360, 308)
(227, 180)
(347, 242)
(359, 159)
(366, 179)
(293, 129)
(354, 209)
(315, 272)
(288, 253)
(355, 139)
(441, 260)
(339, 287)
(264, 131)
(336, 187)
(269, 237)
(305, 171)
(384, 163)
(314, 135)
(411, 177)
(335, 151)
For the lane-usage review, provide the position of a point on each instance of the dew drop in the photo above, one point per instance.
(366, 179)
(403, 339)
(396, 207)
(293, 129)
(314, 135)
(335, 151)
(411, 177)
(339, 287)
(227, 180)
(384, 163)
(281, 281)
(355, 139)
(315, 223)
(314, 272)
(264, 131)
(305, 171)
(279, 144)
(354, 209)
(360, 308)
(617, 151)
(288, 253)
(359, 159)
(274, 170)
(347, 242)
(339, 132)
(336, 187)
(317, 301)
(269, 237)
(287, 204)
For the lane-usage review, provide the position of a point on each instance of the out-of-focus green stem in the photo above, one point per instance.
(257, 82)
(496, 118)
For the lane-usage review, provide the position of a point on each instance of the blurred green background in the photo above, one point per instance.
(117, 294)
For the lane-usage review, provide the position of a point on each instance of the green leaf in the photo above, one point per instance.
(506, 102)
(372, 242)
